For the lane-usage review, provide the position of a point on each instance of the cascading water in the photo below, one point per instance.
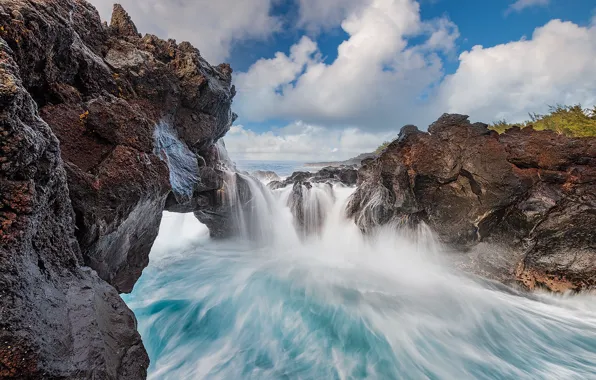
(341, 306)
(181, 162)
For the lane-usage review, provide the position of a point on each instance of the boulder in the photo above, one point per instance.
(521, 204)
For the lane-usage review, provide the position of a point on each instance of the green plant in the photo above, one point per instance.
(382, 147)
(573, 121)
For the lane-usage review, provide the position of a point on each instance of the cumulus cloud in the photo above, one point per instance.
(520, 5)
(212, 26)
(376, 80)
(315, 15)
(556, 66)
(300, 141)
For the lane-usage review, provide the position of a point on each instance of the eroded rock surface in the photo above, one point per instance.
(522, 204)
(83, 183)
(345, 175)
(58, 319)
(102, 90)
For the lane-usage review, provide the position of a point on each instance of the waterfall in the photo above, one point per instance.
(181, 162)
(319, 300)
(258, 214)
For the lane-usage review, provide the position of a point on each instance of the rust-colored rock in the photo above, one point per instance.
(83, 187)
(103, 90)
(58, 319)
(522, 204)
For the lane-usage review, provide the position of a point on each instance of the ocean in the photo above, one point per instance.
(341, 306)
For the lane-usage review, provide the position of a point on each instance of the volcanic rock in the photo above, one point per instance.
(522, 204)
(103, 90)
(82, 183)
(345, 175)
(58, 319)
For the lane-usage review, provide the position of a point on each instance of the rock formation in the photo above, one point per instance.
(265, 176)
(347, 176)
(84, 178)
(522, 204)
(103, 90)
(58, 318)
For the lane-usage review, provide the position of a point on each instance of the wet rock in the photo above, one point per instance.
(103, 90)
(274, 185)
(94, 198)
(228, 209)
(265, 175)
(58, 319)
(529, 195)
(347, 176)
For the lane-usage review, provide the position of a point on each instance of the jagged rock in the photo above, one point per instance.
(308, 209)
(225, 207)
(347, 176)
(103, 90)
(274, 185)
(58, 319)
(531, 194)
(265, 175)
(121, 23)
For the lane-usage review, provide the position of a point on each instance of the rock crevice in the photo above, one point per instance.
(528, 195)
(82, 183)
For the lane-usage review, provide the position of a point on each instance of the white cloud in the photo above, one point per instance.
(211, 26)
(302, 142)
(557, 65)
(315, 15)
(374, 82)
(520, 5)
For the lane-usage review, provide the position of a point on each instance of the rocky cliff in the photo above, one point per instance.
(97, 124)
(522, 205)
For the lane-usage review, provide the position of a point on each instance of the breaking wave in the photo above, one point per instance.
(337, 305)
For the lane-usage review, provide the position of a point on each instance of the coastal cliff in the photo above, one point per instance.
(85, 176)
(521, 205)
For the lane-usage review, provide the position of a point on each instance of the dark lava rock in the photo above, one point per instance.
(308, 208)
(523, 203)
(102, 90)
(232, 210)
(82, 183)
(346, 175)
(265, 175)
(58, 319)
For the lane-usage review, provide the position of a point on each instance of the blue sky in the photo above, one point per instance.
(480, 23)
(320, 79)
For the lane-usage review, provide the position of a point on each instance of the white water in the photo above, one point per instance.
(181, 162)
(338, 305)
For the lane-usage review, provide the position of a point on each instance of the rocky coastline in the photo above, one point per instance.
(84, 182)
(102, 129)
(521, 205)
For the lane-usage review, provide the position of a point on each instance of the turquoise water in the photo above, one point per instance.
(345, 307)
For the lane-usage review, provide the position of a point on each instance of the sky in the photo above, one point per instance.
(330, 79)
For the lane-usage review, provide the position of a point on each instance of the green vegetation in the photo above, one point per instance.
(573, 121)
(382, 147)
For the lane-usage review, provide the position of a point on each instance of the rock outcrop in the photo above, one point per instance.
(347, 176)
(58, 319)
(310, 205)
(84, 178)
(521, 204)
(265, 176)
(103, 90)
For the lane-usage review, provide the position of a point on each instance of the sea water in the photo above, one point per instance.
(338, 305)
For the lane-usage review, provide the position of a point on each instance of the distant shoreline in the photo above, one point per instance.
(352, 161)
